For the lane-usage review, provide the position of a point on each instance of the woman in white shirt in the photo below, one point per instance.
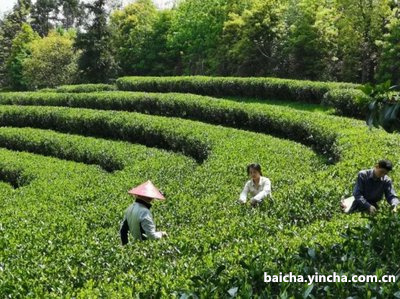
(259, 187)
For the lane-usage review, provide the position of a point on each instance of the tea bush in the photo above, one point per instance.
(275, 88)
(346, 98)
(85, 87)
(59, 228)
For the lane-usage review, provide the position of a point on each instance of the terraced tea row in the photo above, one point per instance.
(66, 242)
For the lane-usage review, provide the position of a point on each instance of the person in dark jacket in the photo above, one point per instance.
(369, 189)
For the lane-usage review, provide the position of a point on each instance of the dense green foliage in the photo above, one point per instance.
(20, 51)
(340, 40)
(53, 54)
(348, 102)
(10, 27)
(383, 109)
(68, 154)
(69, 212)
(389, 67)
(133, 27)
(275, 88)
(96, 63)
(84, 88)
(200, 108)
(365, 249)
(344, 97)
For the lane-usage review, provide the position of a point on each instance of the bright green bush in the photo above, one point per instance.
(344, 97)
(86, 88)
(65, 242)
(137, 129)
(13, 175)
(62, 146)
(347, 102)
(194, 107)
(53, 61)
(266, 88)
(20, 51)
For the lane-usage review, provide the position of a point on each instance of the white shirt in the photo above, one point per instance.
(259, 192)
(140, 220)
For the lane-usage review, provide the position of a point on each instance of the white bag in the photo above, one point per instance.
(348, 202)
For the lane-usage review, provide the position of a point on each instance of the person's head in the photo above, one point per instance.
(146, 199)
(254, 171)
(382, 168)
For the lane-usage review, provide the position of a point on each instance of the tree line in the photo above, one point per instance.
(52, 42)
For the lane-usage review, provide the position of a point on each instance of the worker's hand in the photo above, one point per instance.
(164, 234)
(254, 202)
(372, 210)
(342, 205)
(394, 209)
(242, 201)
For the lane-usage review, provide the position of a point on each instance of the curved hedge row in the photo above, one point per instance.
(352, 139)
(85, 88)
(280, 122)
(185, 136)
(340, 94)
(347, 102)
(138, 129)
(259, 87)
(108, 155)
(70, 229)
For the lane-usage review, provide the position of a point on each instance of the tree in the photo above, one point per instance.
(44, 15)
(196, 34)
(19, 52)
(389, 63)
(53, 61)
(72, 13)
(310, 45)
(132, 32)
(159, 59)
(10, 26)
(361, 23)
(255, 37)
(97, 62)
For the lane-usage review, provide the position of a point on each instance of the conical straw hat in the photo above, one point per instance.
(147, 189)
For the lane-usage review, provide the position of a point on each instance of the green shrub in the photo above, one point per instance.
(108, 125)
(62, 146)
(266, 88)
(85, 88)
(292, 126)
(13, 175)
(364, 250)
(59, 233)
(347, 102)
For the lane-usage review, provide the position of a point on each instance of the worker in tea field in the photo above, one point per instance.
(370, 187)
(259, 187)
(138, 218)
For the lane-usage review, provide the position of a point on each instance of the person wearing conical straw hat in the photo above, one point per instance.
(138, 218)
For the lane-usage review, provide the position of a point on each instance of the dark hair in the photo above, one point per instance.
(254, 166)
(385, 164)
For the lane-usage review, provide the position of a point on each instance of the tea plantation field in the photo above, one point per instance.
(69, 155)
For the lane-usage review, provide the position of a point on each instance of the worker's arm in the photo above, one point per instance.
(149, 227)
(390, 194)
(124, 230)
(264, 192)
(243, 194)
(358, 193)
